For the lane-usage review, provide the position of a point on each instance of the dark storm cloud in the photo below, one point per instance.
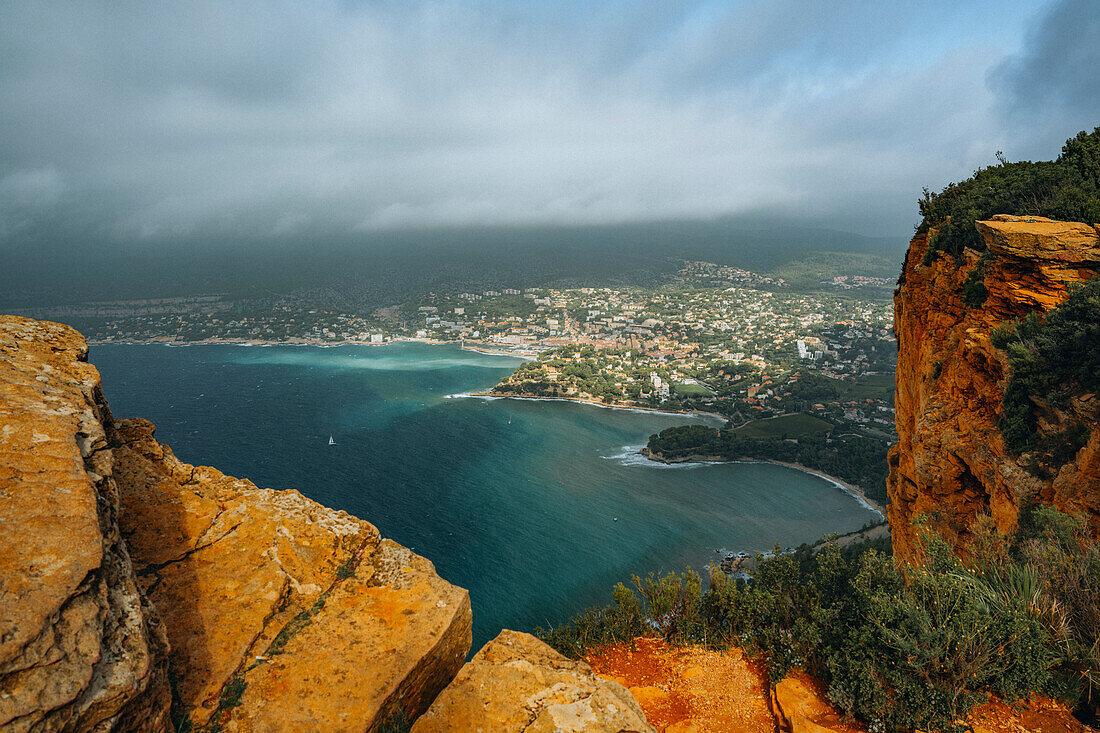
(1052, 87)
(135, 121)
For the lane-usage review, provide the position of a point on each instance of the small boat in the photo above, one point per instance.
(331, 441)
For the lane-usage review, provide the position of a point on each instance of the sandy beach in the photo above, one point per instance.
(525, 354)
(844, 486)
(465, 346)
(848, 488)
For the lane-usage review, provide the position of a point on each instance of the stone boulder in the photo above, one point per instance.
(518, 683)
(801, 707)
(283, 614)
(80, 646)
(1042, 240)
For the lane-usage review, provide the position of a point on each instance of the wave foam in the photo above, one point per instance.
(629, 456)
(467, 395)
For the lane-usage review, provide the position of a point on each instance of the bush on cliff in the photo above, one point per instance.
(974, 290)
(1053, 357)
(898, 651)
(1067, 189)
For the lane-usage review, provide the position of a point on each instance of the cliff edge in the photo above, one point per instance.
(951, 463)
(81, 648)
(135, 588)
(142, 593)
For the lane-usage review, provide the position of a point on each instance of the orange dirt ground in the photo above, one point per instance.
(695, 690)
(1037, 715)
(689, 689)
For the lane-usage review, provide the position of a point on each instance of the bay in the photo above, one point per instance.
(537, 507)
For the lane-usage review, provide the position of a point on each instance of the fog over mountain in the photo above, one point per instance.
(149, 132)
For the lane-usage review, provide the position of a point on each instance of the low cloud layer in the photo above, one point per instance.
(139, 121)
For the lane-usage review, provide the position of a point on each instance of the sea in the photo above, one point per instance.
(537, 507)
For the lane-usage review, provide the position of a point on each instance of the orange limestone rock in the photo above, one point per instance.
(950, 462)
(80, 646)
(801, 706)
(517, 683)
(280, 614)
(283, 614)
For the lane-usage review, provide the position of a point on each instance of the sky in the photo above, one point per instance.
(136, 122)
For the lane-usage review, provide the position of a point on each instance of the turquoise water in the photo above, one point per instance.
(536, 507)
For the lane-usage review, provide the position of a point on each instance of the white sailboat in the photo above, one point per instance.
(331, 441)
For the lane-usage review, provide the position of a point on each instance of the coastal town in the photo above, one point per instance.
(742, 352)
(713, 338)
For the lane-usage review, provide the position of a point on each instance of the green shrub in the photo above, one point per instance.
(897, 651)
(231, 693)
(296, 624)
(854, 458)
(974, 290)
(596, 628)
(1066, 556)
(1067, 188)
(1052, 357)
(672, 604)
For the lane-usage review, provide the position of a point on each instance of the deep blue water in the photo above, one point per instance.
(515, 500)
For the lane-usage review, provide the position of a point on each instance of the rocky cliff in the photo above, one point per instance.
(951, 463)
(134, 586)
(141, 593)
(518, 683)
(81, 648)
(281, 613)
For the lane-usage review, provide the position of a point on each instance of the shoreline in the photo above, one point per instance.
(851, 489)
(848, 488)
(744, 561)
(594, 403)
(263, 342)
(524, 355)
